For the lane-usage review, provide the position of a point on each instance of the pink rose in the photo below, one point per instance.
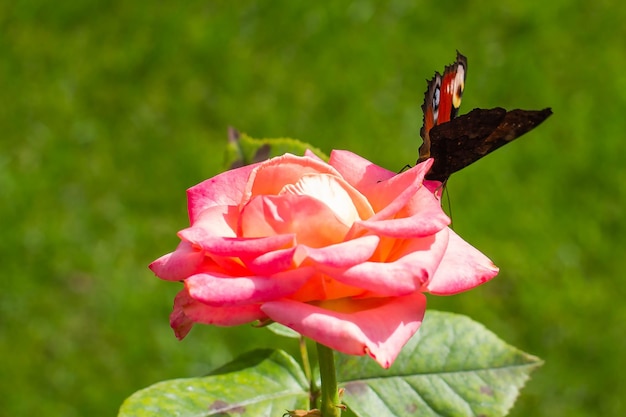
(340, 252)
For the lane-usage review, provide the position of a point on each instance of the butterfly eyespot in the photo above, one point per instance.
(435, 103)
(436, 98)
(459, 84)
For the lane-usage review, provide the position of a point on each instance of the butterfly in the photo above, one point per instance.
(456, 142)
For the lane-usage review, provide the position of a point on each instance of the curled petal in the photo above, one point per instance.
(309, 219)
(390, 196)
(358, 171)
(463, 267)
(221, 290)
(422, 217)
(240, 247)
(344, 254)
(380, 186)
(412, 265)
(276, 261)
(218, 221)
(377, 327)
(225, 189)
(340, 255)
(424, 207)
(188, 311)
(178, 265)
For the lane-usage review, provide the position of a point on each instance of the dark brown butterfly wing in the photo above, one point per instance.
(467, 138)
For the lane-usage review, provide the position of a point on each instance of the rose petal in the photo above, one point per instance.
(378, 327)
(240, 247)
(405, 271)
(323, 287)
(225, 291)
(310, 154)
(377, 183)
(422, 216)
(187, 311)
(463, 267)
(276, 261)
(178, 265)
(358, 171)
(232, 254)
(225, 189)
(390, 196)
(340, 255)
(424, 207)
(344, 254)
(347, 203)
(218, 221)
(310, 220)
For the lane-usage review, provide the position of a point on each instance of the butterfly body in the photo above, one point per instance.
(456, 142)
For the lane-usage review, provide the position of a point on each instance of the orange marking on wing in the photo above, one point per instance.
(447, 93)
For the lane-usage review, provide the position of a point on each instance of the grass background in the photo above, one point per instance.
(110, 110)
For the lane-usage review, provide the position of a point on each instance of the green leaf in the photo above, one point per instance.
(258, 383)
(244, 150)
(281, 330)
(453, 366)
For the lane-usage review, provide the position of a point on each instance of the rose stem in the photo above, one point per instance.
(330, 395)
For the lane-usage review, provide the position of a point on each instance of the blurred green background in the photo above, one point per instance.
(110, 110)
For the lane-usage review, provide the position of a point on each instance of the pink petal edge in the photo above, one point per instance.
(380, 332)
(217, 290)
(462, 268)
(225, 189)
(178, 265)
(188, 311)
(357, 170)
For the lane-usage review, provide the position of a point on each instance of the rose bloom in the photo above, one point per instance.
(342, 252)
